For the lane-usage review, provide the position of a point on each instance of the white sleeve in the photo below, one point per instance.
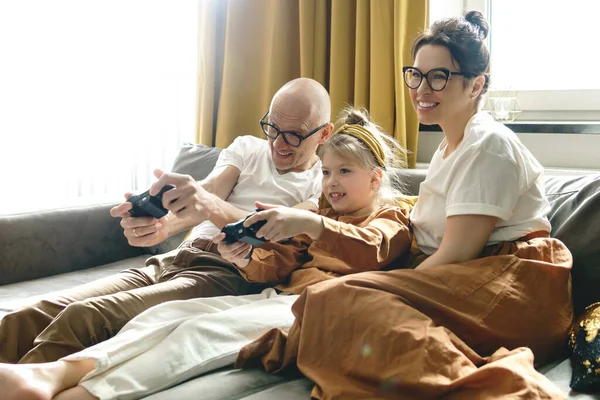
(234, 154)
(315, 195)
(483, 183)
(317, 187)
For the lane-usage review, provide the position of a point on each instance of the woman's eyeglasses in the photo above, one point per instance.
(436, 78)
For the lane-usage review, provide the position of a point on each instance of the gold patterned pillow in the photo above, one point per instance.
(584, 341)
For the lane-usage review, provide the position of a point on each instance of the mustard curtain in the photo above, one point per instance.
(355, 48)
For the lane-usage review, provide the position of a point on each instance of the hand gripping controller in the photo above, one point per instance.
(145, 205)
(237, 232)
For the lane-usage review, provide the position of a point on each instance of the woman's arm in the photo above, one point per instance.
(464, 238)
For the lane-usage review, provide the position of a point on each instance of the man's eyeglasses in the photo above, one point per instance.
(292, 138)
(436, 78)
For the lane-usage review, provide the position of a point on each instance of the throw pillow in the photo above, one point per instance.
(575, 220)
(585, 343)
(196, 160)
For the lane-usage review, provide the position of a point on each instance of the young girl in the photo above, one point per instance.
(175, 341)
(356, 184)
(494, 287)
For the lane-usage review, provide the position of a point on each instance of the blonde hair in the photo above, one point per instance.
(351, 147)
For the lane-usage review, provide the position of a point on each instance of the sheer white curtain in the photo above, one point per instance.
(94, 95)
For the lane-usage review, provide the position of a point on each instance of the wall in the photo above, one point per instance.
(580, 151)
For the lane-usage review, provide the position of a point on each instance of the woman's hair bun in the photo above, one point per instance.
(476, 18)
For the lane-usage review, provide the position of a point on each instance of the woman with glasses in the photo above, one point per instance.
(487, 288)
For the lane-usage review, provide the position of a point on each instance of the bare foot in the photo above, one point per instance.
(24, 382)
(76, 393)
(41, 381)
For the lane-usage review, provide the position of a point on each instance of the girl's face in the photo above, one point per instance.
(350, 188)
(453, 102)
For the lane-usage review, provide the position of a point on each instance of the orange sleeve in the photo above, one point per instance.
(273, 262)
(370, 247)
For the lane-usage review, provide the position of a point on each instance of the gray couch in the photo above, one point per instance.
(49, 251)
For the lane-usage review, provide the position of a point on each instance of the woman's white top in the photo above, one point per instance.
(490, 173)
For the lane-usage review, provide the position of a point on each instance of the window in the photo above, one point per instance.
(541, 52)
(545, 50)
(94, 95)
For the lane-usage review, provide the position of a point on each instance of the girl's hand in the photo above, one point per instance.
(235, 253)
(285, 222)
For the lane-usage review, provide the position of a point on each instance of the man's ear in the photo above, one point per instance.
(478, 83)
(326, 133)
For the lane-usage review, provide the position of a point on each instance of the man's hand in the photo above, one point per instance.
(235, 253)
(187, 200)
(285, 222)
(142, 231)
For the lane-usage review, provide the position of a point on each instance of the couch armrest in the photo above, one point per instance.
(35, 245)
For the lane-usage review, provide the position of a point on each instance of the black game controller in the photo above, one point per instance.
(145, 205)
(237, 232)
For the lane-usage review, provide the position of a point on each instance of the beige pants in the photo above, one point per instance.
(85, 315)
(175, 341)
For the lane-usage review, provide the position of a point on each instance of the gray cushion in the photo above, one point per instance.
(408, 181)
(559, 372)
(197, 161)
(39, 244)
(232, 384)
(575, 219)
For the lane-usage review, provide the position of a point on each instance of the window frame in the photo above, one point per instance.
(545, 105)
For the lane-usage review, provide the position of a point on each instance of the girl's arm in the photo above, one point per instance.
(372, 247)
(273, 261)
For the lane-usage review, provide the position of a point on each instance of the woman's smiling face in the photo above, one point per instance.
(440, 107)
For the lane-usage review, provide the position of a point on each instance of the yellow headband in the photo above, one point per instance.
(365, 136)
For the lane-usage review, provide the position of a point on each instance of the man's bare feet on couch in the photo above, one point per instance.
(21, 382)
(76, 393)
(41, 381)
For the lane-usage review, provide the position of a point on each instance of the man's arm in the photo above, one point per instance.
(219, 187)
(201, 201)
(190, 204)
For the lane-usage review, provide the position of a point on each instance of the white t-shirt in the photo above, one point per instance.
(259, 180)
(490, 173)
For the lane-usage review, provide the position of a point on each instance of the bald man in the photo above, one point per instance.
(284, 169)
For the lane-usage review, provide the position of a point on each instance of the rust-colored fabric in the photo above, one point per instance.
(348, 245)
(432, 332)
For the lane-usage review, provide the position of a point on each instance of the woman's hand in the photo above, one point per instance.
(235, 253)
(285, 222)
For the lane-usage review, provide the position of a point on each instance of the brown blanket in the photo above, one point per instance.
(429, 333)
